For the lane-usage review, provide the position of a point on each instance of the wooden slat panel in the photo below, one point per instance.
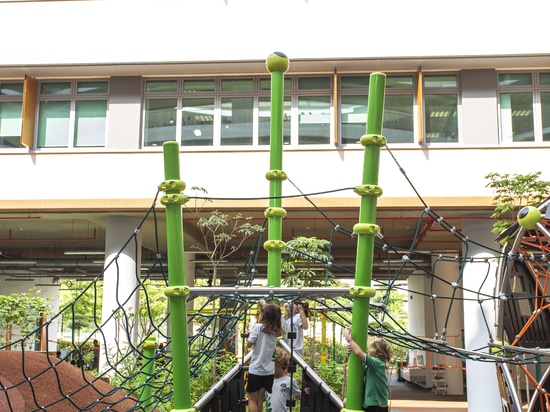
(29, 112)
(420, 104)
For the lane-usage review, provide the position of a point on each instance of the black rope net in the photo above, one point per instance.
(94, 372)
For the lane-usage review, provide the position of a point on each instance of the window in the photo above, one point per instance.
(398, 126)
(441, 108)
(11, 96)
(524, 107)
(72, 114)
(314, 110)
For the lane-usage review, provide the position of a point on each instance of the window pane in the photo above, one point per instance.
(53, 123)
(399, 118)
(544, 79)
(265, 84)
(265, 120)
(314, 120)
(160, 121)
(90, 123)
(55, 88)
(354, 82)
(448, 80)
(197, 122)
(11, 89)
(545, 109)
(10, 124)
(199, 86)
(516, 117)
(314, 83)
(161, 86)
(237, 85)
(441, 118)
(353, 117)
(515, 79)
(401, 82)
(92, 87)
(237, 127)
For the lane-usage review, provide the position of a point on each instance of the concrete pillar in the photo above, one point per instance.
(448, 307)
(120, 282)
(481, 377)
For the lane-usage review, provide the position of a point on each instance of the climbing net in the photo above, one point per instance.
(139, 370)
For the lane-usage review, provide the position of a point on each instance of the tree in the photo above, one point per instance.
(512, 192)
(305, 262)
(23, 310)
(222, 234)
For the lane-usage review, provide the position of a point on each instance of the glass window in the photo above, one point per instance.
(237, 121)
(354, 82)
(90, 123)
(441, 118)
(515, 79)
(11, 89)
(72, 114)
(160, 121)
(516, 117)
(398, 126)
(544, 79)
(161, 86)
(53, 123)
(55, 88)
(194, 86)
(92, 87)
(399, 82)
(440, 81)
(314, 120)
(237, 85)
(314, 83)
(197, 117)
(545, 111)
(265, 120)
(265, 84)
(10, 124)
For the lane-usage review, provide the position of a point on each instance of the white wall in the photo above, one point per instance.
(203, 30)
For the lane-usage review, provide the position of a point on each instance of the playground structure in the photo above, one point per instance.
(518, 342)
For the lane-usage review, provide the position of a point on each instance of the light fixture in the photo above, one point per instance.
(17, 262)
(84, 252)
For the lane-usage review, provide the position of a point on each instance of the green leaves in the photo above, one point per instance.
(513, 192)
(22, 310)
(305, 261)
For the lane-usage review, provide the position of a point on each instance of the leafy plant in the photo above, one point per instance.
(24, 311)
(512, 192)
(305, 261)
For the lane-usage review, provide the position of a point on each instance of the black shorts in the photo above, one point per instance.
(376, 409)
(257, 382)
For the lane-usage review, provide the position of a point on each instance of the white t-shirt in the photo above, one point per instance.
(276, 400)
(264, 346)
(298, 345)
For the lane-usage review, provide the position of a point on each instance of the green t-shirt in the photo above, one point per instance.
(376, 382)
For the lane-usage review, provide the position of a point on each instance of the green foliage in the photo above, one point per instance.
(304, 262)
(80, 303)
(513, 192)
(203, 381)
(22, 310)
(222, 234)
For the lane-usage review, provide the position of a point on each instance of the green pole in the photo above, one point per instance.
(176, 291)
(277, 63)
(366, 231)
(147, 369)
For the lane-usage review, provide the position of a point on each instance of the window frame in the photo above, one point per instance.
(536, 89)
(13, 98)
(73, 96)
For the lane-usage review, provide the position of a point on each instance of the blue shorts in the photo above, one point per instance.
(257, 382)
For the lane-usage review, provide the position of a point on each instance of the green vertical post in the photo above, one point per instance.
(176, 291)
(366, 231)
(277, 63)
(147, 370)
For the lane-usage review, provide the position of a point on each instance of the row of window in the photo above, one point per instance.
(236, 111)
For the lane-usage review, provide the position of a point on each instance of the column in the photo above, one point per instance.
(481, 377)
(120, 282)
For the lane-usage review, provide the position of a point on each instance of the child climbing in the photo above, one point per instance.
(263, 336)
(283, 385)
(376, 382)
